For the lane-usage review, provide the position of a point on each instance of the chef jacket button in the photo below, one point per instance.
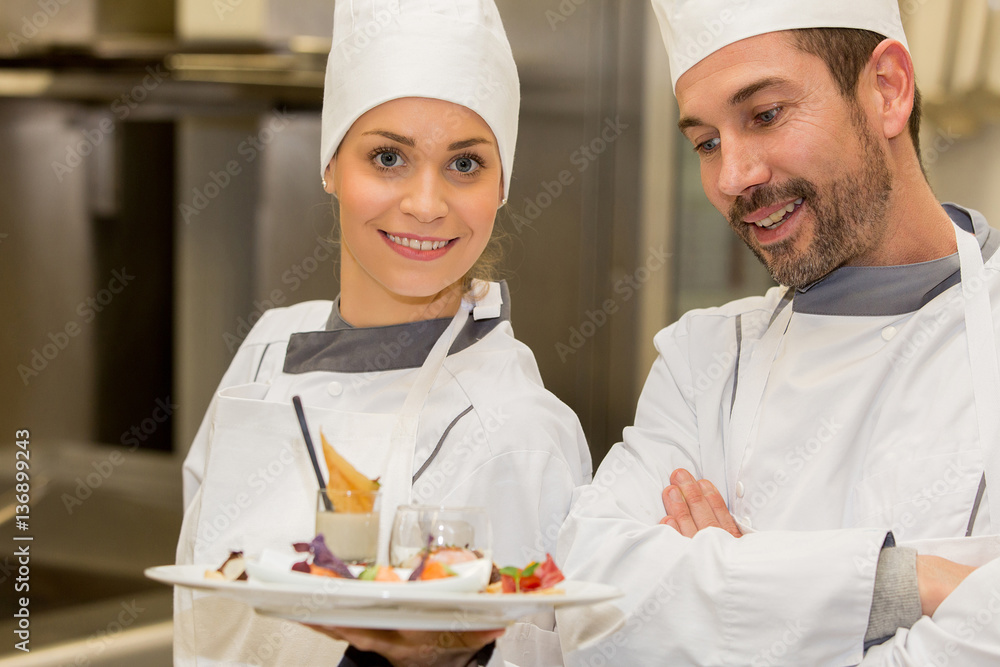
(335, 388)
(739, 489)
(888, 333)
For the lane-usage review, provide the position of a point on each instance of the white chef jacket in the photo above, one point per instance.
(865, 424)
(489, 435)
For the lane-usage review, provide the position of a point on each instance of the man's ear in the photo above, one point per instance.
(892, 86)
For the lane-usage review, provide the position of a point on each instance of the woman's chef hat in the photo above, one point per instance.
(452, 50)
(695, 29)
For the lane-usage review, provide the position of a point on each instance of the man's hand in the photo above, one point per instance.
(936, 579)
(692, 505)
(416, 648)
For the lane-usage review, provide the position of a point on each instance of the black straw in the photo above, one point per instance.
(297, 402)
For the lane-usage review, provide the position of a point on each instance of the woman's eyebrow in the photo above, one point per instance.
(398, 138)
(465, 143)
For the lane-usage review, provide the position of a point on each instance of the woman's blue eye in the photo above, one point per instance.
(388, 159)
(465, 165)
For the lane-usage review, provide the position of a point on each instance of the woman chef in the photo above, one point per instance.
(413, 373)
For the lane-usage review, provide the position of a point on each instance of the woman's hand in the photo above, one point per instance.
(416, 648)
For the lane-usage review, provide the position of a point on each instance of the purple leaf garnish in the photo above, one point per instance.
(301, 567)
(323, 557)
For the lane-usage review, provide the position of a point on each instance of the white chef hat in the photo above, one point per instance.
(452, 50)
(694, 29)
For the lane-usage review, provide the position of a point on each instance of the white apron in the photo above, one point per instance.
(986, 395)
(254, 444)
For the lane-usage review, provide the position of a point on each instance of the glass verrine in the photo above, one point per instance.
(349, 525)
(416, 527)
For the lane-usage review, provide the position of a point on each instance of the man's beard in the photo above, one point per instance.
(849, 218)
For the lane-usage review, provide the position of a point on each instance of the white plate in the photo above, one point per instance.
(472, 576)
(326, 602)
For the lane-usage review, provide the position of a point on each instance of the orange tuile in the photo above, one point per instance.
(345, 477)
(386, 574)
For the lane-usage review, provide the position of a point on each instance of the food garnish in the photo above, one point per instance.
(345, 477)
(324, 563)
(233, 569)
(535, 577)
(382, 573)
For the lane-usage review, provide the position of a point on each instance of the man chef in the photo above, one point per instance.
(813, 475)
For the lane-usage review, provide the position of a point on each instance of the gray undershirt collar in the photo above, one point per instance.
(893, 290)
(343, 348)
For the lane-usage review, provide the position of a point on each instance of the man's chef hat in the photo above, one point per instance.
(452, 50)
(695, 29)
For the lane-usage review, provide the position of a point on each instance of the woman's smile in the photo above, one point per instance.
(418, 247)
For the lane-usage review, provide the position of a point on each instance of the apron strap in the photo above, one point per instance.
(398, 479)
(985, 369)
(746, 404)
(428, 372)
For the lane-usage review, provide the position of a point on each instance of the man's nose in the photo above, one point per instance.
(743, 168)
(424, 198)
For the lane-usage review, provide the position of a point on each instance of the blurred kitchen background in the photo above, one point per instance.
(159, 190)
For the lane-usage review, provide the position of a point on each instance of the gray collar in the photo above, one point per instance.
(343, 348)
(893, 290)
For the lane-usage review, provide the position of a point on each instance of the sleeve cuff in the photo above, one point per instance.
(896, 599)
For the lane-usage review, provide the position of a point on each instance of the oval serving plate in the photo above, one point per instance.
(276, 569)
